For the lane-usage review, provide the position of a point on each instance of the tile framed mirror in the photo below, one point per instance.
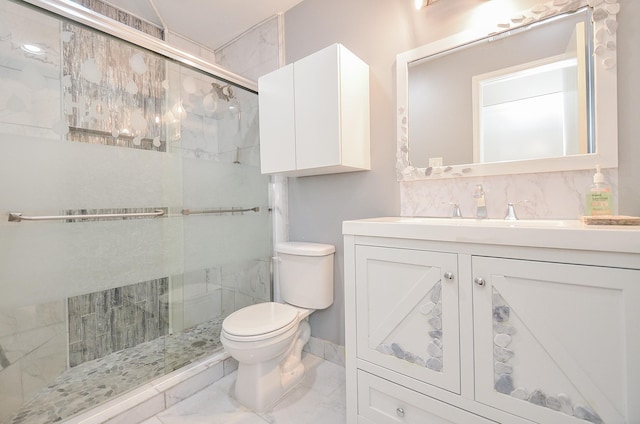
(537, 95)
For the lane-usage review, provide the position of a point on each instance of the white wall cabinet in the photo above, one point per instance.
(314, 115)
(439, 330)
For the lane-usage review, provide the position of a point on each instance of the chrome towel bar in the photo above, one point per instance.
(201, 211)
(18, 217)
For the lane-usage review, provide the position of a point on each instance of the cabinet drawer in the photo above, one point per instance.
(381, 401)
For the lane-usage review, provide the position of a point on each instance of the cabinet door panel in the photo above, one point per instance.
(407, 313)
(317, 109)
(277, 125)
(354, 111)
(553, 342)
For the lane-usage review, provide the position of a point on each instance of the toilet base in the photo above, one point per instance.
(262, 393)
(261, 385)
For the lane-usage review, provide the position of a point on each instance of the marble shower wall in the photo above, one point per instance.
(30, 96)
(213, 293)
(33, 351)
(254, 53)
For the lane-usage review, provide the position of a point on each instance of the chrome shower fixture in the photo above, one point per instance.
(224, 92)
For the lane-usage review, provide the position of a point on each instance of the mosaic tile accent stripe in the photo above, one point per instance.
(111, 211)
(101, 323)
(123, 17)
(112, 91)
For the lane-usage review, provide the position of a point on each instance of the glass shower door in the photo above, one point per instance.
(227, 225)
(135, 214)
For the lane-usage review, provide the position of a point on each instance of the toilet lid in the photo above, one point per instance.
(261, 318)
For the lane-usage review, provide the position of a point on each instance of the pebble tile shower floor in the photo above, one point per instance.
(94, 382)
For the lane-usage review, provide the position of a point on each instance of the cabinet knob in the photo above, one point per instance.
(479, 281)
(400, 412)
(448, 275)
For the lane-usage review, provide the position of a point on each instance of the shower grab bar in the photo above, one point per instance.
(18, 217)
(201, 211)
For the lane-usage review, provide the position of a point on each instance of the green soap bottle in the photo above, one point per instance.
(599, 197)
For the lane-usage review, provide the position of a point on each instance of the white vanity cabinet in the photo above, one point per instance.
(537, 324)
(314, 115)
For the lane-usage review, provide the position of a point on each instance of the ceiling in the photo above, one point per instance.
(211, 23)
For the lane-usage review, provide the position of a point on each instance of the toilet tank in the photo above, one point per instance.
(306, 274)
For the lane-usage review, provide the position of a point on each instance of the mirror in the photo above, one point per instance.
(539, 96)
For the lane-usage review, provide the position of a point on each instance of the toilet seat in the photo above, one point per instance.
(260, 321)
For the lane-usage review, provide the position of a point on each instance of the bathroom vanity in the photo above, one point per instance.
(479, 321)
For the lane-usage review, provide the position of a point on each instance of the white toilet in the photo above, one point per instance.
(267, 338)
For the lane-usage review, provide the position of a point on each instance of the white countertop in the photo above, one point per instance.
(562, 234)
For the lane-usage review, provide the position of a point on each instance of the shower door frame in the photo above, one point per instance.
(82, 15)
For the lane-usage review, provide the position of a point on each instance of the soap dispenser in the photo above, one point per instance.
(481, 204)
(599, 197)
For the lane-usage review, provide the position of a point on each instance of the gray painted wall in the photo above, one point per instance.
(376, 31)
(319, 204)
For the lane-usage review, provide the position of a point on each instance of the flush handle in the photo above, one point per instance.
(479, 281)
(448, 275)
(400, 412)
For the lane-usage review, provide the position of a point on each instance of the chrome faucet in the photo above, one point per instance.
(511, 212)
(456, 210)
(481, 205)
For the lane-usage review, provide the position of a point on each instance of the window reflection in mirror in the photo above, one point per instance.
(524, 95)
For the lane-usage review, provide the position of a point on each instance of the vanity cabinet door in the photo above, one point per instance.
(557, 342)
(407, 313)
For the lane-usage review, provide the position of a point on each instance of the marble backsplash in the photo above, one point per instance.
(553, 195)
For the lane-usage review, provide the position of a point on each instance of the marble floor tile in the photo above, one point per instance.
(319, 399)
